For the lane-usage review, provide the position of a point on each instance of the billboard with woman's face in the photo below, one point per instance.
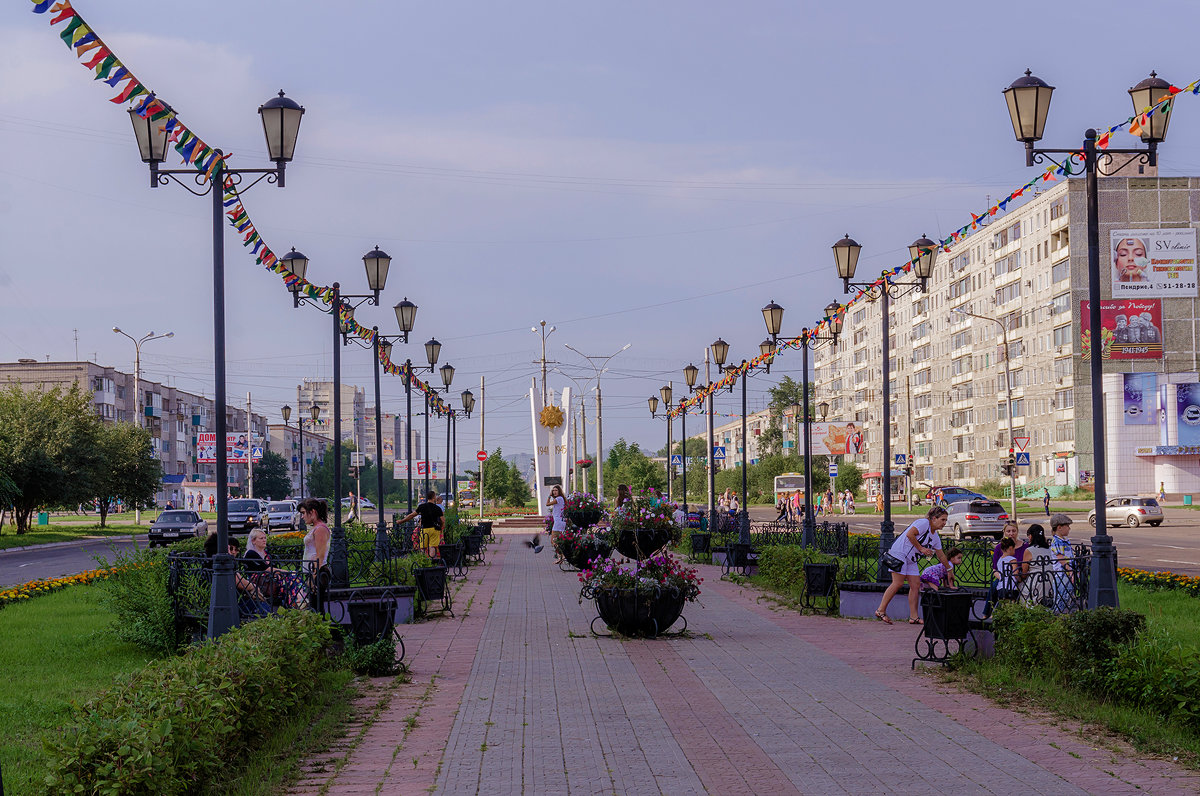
(1153, 263)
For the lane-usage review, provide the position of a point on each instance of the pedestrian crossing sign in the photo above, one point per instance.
(676, 460)
(1022, 458)
(719, 452)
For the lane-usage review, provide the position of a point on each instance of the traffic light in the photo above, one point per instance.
(1012, 459)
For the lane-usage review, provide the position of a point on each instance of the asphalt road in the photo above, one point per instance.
(55, 561)
(1173, 546)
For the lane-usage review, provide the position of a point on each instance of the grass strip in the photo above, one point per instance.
(67, 533)
(56, 650)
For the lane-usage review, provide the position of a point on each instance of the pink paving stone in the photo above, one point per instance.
(757, 700)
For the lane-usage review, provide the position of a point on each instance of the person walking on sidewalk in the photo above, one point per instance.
(919, 539)
(1046, 500)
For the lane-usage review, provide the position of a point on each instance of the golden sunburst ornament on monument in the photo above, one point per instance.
(551, 417)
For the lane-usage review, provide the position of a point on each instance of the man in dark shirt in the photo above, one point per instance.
(431, 515)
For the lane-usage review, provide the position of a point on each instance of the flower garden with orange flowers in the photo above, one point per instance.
(1160, 580)
(43, 586)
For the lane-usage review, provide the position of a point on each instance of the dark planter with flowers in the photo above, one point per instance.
(579, 555)
(583, 518)
(637, 611)
(641, 544)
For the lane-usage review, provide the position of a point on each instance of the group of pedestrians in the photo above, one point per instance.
(1039, 571)
(825, 504)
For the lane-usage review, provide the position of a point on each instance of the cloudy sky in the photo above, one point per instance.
(645, 173)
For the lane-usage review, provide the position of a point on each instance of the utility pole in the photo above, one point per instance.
(911, 464)
(600, 370)
(545, 334)
(583, 435)
(249, 451)
(482, 446)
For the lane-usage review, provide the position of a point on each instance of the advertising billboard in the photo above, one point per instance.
(1187, 410)
(1129, 329)
(838, 438)
(1140, 399)
(1153, 263)
(237, 448)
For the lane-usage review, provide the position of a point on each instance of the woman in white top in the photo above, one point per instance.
(557, 503)
(1037, 568)
(920, 539)
(316, 541)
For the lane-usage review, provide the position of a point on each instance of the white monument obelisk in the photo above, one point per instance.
(551, 432)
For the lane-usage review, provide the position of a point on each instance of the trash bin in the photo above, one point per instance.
(947, 613)
(43, 518)
(1187, 500)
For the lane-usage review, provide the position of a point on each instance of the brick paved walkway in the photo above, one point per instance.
(518, 697)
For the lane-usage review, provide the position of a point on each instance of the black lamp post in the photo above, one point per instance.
(447, 372)
(433, 350)
(666, 392)
(719, 350)
(1028, 101)
(281, 126)
(922, 253)
(406, 316)
(468, 402)
(765, 347)
(689, 376)
(773, 316)
(286, 411)
(376, 263)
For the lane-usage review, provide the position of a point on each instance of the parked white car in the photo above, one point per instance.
(284, 514)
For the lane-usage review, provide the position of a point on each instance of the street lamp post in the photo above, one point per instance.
(1012, 469)
(667, 392)
(376, 264)
(765, 347)
(773, 317)
(406, 315)
(447, 372)
(468, 402)
(137, 388)
(599, 370)
(719, 349)
(1028, 100)
(281, 126)
(922, 253)
(689, 376)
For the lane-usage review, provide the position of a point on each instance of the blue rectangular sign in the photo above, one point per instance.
(1022, 458)
(718, 451)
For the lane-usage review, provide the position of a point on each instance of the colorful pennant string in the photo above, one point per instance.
(192, 150)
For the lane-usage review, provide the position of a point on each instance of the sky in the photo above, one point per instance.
(642, 173)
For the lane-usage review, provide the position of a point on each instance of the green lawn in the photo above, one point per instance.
(64, 533)
(1172, 612)
(54, 651)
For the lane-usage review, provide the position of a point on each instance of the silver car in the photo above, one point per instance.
(977, 517)
(284, 514)
(1129, 510)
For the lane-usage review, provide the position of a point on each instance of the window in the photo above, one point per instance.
(859, 317)
(1008, 293)
(1017, 378)
(1064, 399)
(1061, 303)
(923, 401)
(1018, 406)
(1062, 335)
(961, 339)
(1006, 236)
(1062, 368)
(920, 331)
(1058, 208)
(1007, 264)
(921, 354)
(960, 365)
(921, 377)
(1060, 271)
(960, 287)
(1016, 348)
(1064, 431)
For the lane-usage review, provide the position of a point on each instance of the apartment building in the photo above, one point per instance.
(173, 417)
(1025, 272)
(353, 406)
(285, 440)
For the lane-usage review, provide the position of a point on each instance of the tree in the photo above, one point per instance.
(786, 394)
(271, 477)
(496, 480)
(320, 473)
(518, 489)
(126, 468)
(48, 446)
(848, 477)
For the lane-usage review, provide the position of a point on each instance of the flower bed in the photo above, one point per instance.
(1160, 580)
(645, 524)
(641, 598)
(43, 586)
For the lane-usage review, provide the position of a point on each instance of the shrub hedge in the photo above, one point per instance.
(170, 727)
(1107, 652)
(782, 566)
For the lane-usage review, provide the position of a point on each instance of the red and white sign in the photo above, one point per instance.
(1021, 442)
(481, 456)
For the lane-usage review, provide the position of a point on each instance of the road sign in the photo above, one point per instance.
(676, 460)
(258, 453)
(833, 469)
(1022, 458)
(901, 459)
(718, 452)
(481, 456)
(1021, 443)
